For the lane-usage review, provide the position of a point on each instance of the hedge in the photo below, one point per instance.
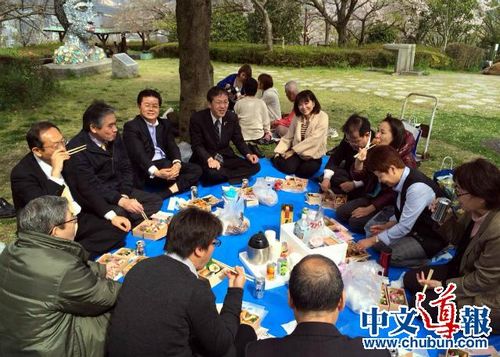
(302, 56)
(465, 57)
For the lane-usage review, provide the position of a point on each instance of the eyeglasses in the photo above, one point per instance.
(74, 219)
(216, 243)
(459, 192)
(56, 145)
(222, 102)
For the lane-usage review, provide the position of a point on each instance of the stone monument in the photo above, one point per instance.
(405, 59)
(77, 57)
(123, 66)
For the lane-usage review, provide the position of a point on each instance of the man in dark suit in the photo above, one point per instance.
(180, 317)
(211, 132)
(104, 168)
(48, 170)
(151, 147)
(316, 297)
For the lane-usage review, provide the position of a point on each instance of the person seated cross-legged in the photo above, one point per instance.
(151, 147)
(299, 152)
(212, 130)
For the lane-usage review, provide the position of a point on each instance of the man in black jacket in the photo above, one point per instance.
(337, 176)
(151, 147)
(316, 297)
(48, 170)
(211, 131)
(165, 309)
(104, 168)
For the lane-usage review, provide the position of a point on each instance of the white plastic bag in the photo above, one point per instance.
(264, 192)
(362, 284)
(232, 217)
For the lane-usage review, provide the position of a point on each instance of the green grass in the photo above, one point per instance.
(457, 133)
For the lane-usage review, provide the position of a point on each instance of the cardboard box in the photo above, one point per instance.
(150, 229)
(336, 252)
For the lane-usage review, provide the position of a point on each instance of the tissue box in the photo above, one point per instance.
(336, 252)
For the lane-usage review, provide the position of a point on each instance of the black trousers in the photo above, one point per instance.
(150, 201)
(188, 176)
(233, 168)
(344, 213)
(97, 235)
(342, 175)
(294, 165)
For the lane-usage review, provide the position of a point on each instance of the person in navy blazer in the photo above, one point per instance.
(153, 153)
(316, 297)
(212, 130)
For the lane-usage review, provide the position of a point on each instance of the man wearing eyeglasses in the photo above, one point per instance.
(180, 317)
(49, 170)
(53, 301)
(212, 130)
(153, 153)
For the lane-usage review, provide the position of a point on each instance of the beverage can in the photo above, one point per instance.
(244, 183)
(441, 208)
(139, 248)
(194, 192)
(260, 287)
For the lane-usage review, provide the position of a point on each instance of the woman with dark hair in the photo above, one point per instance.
(300, 151)
(391, 131)
(270, 96)
(475, 268)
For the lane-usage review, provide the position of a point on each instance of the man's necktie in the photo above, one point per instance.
(103, 146)
(67, 195)
(217, 128)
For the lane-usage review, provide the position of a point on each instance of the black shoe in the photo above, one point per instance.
(6, 209)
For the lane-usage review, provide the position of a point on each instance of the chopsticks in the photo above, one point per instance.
(232, 270)
(144, 216)
(369, 147)
(429, 276)
(77, 149)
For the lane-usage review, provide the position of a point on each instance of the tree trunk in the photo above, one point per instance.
(195, 70)
(342, 33)
(362, 33)
(328, 27)
(259, 5)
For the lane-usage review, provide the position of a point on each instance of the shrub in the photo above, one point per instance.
(24, 83)
(380, 32)
(302, 56)
(465, 57)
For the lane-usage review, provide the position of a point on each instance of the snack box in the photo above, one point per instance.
(338, 229)
(151, 229)
(213, 272)
(397, 298)
(355, 253)
(251, 319)
(120, 260)
(336, 251)
(455, 352)
(204, 203)
(384, 298)
(130, 265)
(249, 196)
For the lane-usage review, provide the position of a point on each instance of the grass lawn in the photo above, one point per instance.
(460, 133)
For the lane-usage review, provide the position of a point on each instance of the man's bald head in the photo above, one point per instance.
(315, 284)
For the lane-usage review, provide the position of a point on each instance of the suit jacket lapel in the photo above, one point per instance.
(145, 131)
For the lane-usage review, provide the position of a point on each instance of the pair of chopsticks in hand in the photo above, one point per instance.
(368, 148)
(232, 270)
(144, 216)
(77, 149)
(429, 276)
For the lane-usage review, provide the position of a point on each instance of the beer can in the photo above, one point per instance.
(244, 183)
(260, 287)
(194, 192)
(385, 259)
(139, 248)
(441, 208)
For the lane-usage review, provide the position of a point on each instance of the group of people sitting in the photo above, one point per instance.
(78, 200)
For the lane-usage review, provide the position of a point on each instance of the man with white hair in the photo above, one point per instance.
(280, 126)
